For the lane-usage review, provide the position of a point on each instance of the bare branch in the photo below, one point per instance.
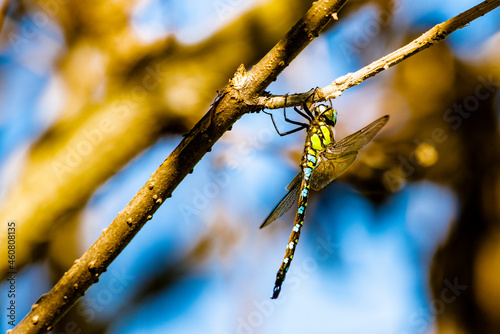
(228, 107)
(429, 38)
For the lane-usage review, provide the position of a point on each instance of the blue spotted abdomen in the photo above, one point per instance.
(318, 138)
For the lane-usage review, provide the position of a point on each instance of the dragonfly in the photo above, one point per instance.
(323, 160)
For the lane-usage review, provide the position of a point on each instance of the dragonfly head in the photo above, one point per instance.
(328, 114)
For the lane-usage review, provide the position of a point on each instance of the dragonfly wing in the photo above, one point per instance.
(286, 202)
(360, 138)
(330, 169)
(340, 155)
(295, 182)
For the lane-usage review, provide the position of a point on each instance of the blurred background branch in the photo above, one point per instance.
(4, 4)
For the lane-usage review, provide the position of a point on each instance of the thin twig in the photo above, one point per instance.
(335, 89)
(228, 108)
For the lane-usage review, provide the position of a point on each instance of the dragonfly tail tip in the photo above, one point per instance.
(276, 292)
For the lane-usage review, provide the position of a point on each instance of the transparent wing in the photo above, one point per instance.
(331, 164)
(339, 156)
(286, 202)
(358, 139)
(330, 169)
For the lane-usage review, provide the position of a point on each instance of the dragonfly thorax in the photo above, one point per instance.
(325, 113)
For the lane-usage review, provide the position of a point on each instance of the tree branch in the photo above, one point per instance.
(141, 104)
(335, 89)
(228, 107)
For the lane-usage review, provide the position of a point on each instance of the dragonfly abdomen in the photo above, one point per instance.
(319, 137)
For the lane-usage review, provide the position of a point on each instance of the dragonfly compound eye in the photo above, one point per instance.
(320, 109)
(332, 116)
(327, 112)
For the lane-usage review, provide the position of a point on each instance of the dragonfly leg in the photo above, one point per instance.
(298, 111)
(301, 126)
(306, 116)
(306, 109)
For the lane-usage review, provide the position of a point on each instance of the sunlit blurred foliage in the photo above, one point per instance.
(94, 95)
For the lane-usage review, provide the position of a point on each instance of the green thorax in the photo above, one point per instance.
(321, 133)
